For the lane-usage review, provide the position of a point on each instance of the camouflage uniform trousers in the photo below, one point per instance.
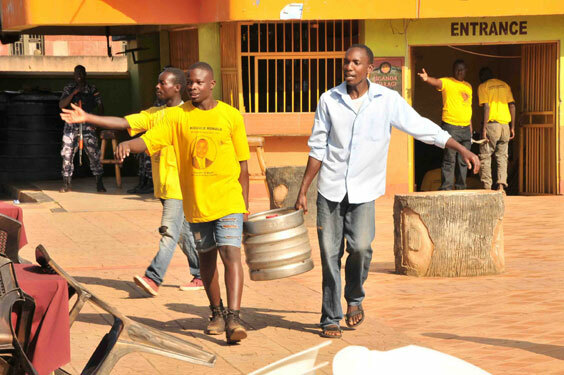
(70, 147)
(145, 165)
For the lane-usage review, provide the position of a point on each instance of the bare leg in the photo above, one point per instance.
(208, 271)
(231, 257)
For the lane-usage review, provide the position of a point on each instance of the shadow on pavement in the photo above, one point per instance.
(382, 267)
(554, 351)
(255, 318)
(126, 286)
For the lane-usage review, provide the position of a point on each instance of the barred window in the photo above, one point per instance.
(286, 66)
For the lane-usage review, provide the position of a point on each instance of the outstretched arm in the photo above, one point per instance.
(135, 146)
(437, 83)
(77, 115)
(471, 159)
(312, 168)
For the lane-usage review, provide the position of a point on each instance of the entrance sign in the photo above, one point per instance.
(388, 72)
(488, 28)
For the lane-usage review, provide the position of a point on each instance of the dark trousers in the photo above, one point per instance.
(453, 169)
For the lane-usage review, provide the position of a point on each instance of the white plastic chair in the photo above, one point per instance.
(411, 359)
(302, 363)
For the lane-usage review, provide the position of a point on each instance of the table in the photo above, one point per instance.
(15, 212)
(50, 329)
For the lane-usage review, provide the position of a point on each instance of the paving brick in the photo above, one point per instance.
(509, 323)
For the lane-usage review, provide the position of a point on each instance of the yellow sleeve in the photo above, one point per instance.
(509, 95)
(139, 122)
(446, 83)
(483, 94)
(161, 135)
(239, 138)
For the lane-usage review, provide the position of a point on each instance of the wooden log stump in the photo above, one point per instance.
(449, 233)
(283, 187)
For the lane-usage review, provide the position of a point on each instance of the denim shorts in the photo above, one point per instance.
(225, 231)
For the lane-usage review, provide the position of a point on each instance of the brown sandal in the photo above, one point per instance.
(330, 330)
(348, 317)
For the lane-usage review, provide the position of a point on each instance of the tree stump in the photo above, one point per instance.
(449, 233)
(283, 187)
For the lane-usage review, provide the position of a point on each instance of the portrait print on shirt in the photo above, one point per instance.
(203, 152)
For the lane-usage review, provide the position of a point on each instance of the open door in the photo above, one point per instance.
(537, 132)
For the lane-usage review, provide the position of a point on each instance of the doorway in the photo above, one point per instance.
(532, 163)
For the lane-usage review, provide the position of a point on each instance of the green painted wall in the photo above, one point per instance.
(210, 52)
(144, 74)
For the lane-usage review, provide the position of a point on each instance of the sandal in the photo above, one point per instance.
(348, 317)
(331, 331)
(234, 330)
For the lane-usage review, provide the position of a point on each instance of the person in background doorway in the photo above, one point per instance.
(348, 147)
(497, 101)
(456, 120)
(174, 228)
(81, 93)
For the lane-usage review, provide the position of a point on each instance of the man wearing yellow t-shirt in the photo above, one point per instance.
(499, 113)
(456, 120)
(174, 228)
(215, 187)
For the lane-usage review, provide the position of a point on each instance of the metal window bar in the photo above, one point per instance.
(297, 45)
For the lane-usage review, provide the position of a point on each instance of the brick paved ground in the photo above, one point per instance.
(507, 324)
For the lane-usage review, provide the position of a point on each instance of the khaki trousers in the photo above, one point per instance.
(498, 141)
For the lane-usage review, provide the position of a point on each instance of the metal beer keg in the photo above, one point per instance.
(277, 244)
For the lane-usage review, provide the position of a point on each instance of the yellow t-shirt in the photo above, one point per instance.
(457, 101)
(498, 95)
(163, 164)
(209, 146)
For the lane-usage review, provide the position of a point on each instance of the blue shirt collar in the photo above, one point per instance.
(374, 90)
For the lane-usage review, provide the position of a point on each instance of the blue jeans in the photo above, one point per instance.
(337, 221)
(174, 230)
(453, 168)
(225, 231)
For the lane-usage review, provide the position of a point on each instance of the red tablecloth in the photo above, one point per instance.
(15, 212)
(50, 330)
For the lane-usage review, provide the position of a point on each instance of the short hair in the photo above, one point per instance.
(80, 68)
(366, 49)
(485, 74)
(458, 62)
(179, 76)
(202, 65)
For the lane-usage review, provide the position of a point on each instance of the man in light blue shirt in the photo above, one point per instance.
(349, 147)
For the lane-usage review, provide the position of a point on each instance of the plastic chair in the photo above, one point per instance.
(10, 237)
(302, 363)
(126, 335)
(14, 343)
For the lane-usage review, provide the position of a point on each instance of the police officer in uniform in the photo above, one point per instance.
(81, 93)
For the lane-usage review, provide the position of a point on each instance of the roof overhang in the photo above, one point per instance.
(127, 16)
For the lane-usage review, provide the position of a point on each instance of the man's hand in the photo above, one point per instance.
(512, 133)
(301, 203)
(75, 115)
(424, 76)
(484, 133)
(471, 160)
(122, 151)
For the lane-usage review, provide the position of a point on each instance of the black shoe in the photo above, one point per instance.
(147, 187)
(135, 189)
(100, 185)
(66, 185)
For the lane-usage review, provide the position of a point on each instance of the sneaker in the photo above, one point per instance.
(195, 284)
(148, 285)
